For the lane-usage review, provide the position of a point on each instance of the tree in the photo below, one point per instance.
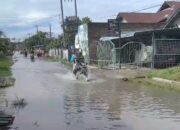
(86, 20)
(56, 43)
(71, 28)
(42, 38)
(6, 47)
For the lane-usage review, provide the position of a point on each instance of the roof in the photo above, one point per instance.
(150, 32)
(164, 14)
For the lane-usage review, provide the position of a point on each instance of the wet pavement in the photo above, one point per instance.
(55, 101)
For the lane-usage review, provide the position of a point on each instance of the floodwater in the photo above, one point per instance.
(58, 102)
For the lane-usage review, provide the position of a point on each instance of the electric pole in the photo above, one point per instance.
(75, 4)
(62, 18)
(37, 31)
(50, 32)
(119, 20)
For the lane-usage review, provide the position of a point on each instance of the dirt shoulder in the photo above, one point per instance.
(120, 74)
(139, 76)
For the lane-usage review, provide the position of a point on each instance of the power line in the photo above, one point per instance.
(58, 15)
(135, 11)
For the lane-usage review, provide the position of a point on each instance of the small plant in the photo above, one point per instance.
(19, 103)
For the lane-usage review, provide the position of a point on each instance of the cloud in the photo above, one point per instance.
(20, 16)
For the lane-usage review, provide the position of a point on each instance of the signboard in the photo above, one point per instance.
(113, 27)
(113, 24)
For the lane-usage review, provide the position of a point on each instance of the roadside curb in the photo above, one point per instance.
(169, 82)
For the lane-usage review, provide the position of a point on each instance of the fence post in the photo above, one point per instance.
(153, 53)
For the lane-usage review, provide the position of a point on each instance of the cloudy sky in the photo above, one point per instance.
(19, 17)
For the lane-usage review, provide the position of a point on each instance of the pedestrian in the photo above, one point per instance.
(72, 59)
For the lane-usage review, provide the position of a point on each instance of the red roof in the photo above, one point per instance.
(165, 12)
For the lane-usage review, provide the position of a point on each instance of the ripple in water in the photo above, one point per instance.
(70, 77)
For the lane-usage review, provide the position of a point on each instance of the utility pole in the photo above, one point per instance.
(76, 13)
(37, 31)
(62, 18)
(75, 5)
(29, 35)
(119, 34)
(50, 32)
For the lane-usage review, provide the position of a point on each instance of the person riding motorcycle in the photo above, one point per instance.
(32, 54)
(25, 53)
(80, 68)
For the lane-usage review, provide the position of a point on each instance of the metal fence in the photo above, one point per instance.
(166, 53)
(131, 54)
(106, 54)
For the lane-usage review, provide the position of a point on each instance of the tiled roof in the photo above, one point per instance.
(164, 13)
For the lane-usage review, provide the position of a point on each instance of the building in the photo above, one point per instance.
(87, 37)
(138, 22)
(153, 35)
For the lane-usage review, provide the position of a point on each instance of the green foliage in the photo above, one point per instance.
(38, 39)
(71, 28)
(55, 43)
(170, 74)
(42, 38)
(86, 20)
(5, 64)
(6, 47)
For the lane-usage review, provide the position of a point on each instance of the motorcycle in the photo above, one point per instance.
(32, 57)
(25, 54)
(80, 70)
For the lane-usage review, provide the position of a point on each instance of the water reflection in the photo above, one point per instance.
(19, 104)
(118, 105)
(56, 102)
(91, 108)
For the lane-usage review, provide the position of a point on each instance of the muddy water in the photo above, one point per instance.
(57, 101)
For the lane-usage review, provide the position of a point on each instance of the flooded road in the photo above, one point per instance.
(57, 102)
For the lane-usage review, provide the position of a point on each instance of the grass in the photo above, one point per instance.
(170, 74)
(147, 82)
(5, 65)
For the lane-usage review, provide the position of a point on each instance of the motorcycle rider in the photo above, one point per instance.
(25, 53)
(79, 65)
(32, 54)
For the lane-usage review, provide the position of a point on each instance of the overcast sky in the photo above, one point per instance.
(19, 17)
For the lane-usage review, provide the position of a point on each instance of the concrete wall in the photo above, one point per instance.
(87, 38)
(95, 32)
(66, 54)
(57, 53)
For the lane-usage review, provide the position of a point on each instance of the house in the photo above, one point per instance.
(154, 35)
(87, 37)
(138, 22)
